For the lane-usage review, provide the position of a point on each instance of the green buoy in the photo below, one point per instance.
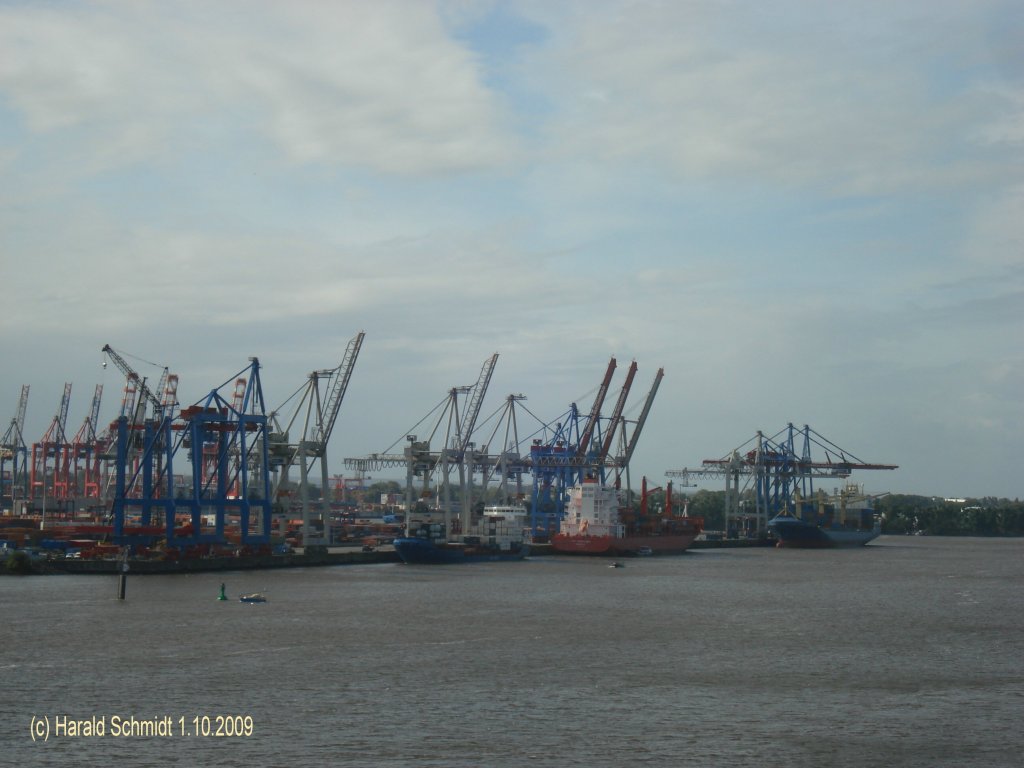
(222, 596)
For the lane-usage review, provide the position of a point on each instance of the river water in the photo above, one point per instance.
(908, 652)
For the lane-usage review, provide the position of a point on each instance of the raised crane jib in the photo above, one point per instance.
(13, 438)
(87, 432)
(595, 411)
(476, 400)
(131, 374)
(19, 420)
(55, 432)
(620, 406)
(643, 417)
(65, 405)
(337, 393)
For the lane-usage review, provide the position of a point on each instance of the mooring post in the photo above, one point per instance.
(122, 574)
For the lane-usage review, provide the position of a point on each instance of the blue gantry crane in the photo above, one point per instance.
(224, 442)
(782, 468)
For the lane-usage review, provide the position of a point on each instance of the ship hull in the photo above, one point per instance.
(416, 551)
(792, 532)
(674, 544)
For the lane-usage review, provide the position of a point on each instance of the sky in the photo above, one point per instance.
(805, 212)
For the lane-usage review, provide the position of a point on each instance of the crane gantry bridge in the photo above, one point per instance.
(782, 469)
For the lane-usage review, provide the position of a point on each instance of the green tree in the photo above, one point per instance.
(711, 506)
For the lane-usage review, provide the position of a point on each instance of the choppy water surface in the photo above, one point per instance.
(904, 653)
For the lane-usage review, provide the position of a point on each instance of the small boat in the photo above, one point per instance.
(616, 564)
(644, 552)
(255, 597)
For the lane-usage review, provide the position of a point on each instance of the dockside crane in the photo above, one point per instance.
(85, 453)
(457, 449)
(595, 412)
(52, 446)
(218, 493)
(319, 410)
(139, 400)
(14, 450)
(631, 440)
(565, 457)
(138, 414)
(616, 417)
(507, 463)
(465, 455)
(782, 468)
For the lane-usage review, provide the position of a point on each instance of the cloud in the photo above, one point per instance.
(375, 85)
(803, 212)
(824, 96)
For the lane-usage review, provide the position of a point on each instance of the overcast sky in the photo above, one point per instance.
(805, 212)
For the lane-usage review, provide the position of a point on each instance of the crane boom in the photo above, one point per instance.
(87, 432)
(337, 394)
(595, 410)
(132, 375)
(476, 400)
(19, 419)
(13, 438)
(62, 418)
(620, 406)
(631, 446)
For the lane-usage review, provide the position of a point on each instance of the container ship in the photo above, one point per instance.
(498, 535)
(596, 524)
(846, 519)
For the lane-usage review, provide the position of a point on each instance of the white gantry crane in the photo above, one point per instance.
(318, 407)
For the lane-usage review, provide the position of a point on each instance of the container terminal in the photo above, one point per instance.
(212, 485)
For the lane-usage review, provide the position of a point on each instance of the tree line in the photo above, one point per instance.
(988, 516)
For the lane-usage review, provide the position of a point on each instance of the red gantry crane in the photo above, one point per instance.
(46, 478)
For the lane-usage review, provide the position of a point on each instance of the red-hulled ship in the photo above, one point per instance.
(595, 524)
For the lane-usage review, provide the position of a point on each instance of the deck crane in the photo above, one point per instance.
(52, 445)
(13, 449)
(320, 415)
